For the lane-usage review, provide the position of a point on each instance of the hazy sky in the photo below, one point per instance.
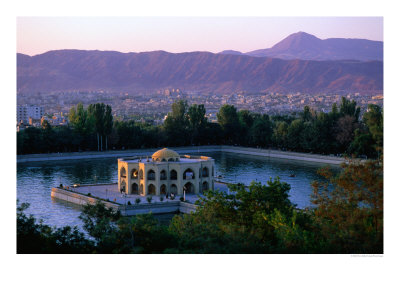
(36, 35)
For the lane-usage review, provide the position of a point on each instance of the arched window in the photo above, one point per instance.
(163, 189)
(141, 174)
(173, 175)
(205, 186)
(204, 173)
(189, 188)
(151, 189)
(134, 174)
(163, 175)
(171, 159)
(173, 189)
(151, 175)
(122, 172)
(188, 174)
(163, 159)
(134, 189)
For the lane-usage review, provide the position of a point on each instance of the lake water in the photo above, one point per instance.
(35, 180)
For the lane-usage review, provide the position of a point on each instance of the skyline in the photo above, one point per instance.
(36, 35)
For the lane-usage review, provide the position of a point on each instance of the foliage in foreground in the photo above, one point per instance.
(346, 217)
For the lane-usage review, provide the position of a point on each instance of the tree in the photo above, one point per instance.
(176, 124)
(229, 121)
(36, 237)
(348, 108)
(101, 223)
(350, 215)
(197, 122)
(261, 131)
(345, 128)
(373, 118)
(280, 135)
(108, 123)
(294, 134)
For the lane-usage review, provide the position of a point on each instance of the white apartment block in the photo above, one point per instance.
(24, 112)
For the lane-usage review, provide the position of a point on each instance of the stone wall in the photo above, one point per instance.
(170, 206)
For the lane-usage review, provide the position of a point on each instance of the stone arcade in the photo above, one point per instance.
(165, 173)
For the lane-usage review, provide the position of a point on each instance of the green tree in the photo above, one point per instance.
(101, 223)
(108, 123)
(261, 131)
(349, 108)
(229, 121)
(35, 237)
(176, 124)
(373, 118)
(294, 134)
(197, 122)
(280, 135)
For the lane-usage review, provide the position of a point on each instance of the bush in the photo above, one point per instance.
(149, 198)
(129, 202)
(61, 186)
(161, 198)
(89, 194)
(137, 200)
(181, 198)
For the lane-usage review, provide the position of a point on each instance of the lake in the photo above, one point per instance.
(35, 180)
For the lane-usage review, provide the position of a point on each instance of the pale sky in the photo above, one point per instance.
(37, 35)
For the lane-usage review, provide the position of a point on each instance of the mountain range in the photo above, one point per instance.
(67, 70)
(305, 46)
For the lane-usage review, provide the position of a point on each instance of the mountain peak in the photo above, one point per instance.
(297, 40)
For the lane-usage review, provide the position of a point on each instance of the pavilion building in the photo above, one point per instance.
(166, 173)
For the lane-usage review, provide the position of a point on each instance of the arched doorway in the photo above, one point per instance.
(134, 188)
(163, 189)
(205, 186)
(173, 175)
(122, 172)
(151, 189)
(204, 173)
(173, 189)
(188, 174)
(189, 188)
(151, 175)
(163, 175)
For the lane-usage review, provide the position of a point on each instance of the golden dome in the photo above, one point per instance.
(165, 155)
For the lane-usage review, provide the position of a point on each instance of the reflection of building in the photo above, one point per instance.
(165, 173)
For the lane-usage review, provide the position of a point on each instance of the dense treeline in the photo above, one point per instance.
(347, 217)
(340, 131)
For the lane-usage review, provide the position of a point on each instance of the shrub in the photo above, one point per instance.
(181, 198)
(137, 200)
(149, 198)
(129, 202)
(161, 198)
(61, 186)
(89, 194)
